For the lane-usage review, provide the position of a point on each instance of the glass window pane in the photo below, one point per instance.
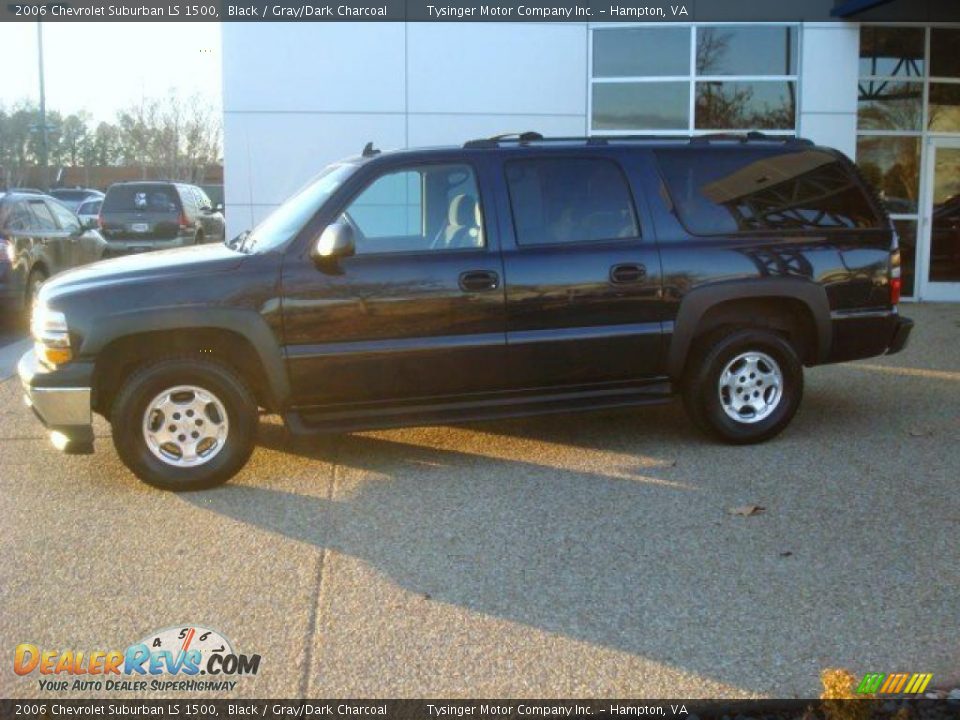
(18, 219)
(760, 105)
(43, 218)
(944, 58)
(68, 221)
(891, 51)
(569, 200)
(719, 191)
(746, 50)
(885, 105)
(641, 52)
(434, 207)
(907, 230)
(389, 207)
(641, 106)
(892, 166)
(945, 107)
(945, 239)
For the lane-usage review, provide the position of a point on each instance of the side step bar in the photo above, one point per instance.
(312, 421)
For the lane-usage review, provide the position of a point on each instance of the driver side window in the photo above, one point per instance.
(424, 208)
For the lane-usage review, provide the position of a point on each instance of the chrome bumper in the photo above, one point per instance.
(65, 411)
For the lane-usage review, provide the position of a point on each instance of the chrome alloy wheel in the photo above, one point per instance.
(750, 387)
(185, 426)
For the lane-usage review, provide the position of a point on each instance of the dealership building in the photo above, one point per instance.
(298, 96)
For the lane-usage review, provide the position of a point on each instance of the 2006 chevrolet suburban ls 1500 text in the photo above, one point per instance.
(509, 276)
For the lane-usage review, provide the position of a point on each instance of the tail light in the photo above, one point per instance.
(8, 250)
(100, 221)
(184, 223)
(896, 282)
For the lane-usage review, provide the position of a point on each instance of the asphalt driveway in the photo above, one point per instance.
(585, 555)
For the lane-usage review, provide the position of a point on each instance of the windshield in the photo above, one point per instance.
(288, 219)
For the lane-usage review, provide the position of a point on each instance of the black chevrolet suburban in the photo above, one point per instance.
(513, 275)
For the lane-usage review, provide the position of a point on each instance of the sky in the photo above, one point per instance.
(104, 67)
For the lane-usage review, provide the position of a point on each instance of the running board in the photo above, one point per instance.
(311, 421)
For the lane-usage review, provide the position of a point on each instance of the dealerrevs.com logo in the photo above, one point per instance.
(187, 658)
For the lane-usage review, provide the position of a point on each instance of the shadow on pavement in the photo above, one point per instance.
(628, 559)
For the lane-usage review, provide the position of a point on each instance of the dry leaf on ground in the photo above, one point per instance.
(746, 510)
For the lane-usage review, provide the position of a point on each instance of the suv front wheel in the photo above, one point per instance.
(743, 386)
(184, 423)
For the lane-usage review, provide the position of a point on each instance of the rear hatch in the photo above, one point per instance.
(141, 212)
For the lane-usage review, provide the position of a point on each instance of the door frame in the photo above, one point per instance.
(926, 289)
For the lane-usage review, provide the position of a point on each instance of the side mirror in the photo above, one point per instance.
(336, 241)
(218, 208)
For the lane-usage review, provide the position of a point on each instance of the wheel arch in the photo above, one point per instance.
(242, 340)
(714, 305)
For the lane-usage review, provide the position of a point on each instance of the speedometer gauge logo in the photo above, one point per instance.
(184, 638)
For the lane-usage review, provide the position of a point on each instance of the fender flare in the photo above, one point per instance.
(246, 323)
(697, 302)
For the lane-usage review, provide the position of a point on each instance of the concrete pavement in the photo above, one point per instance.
(580, 555)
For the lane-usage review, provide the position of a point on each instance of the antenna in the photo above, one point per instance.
(369, 150)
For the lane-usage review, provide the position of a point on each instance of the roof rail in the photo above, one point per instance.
(521, 138)
(528, 138)
(752, 135)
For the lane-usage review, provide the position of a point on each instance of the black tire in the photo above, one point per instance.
(145, 384)
(705, 401)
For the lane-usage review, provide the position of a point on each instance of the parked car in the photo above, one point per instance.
(141, 216)
(39, 237)
(504, 277)
(215, 193)
(73, 198)
(89, 211)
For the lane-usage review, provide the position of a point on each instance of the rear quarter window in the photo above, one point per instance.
(720, 191)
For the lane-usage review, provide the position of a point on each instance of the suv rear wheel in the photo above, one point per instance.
(184, 423)
(743, 386)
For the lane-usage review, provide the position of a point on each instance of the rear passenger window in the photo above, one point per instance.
(42, 217)
(569, 200)
(723, 191)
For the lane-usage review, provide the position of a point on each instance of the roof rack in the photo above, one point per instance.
(530, 137)
(521, 138)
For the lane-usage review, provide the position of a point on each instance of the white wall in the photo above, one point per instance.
(829, 61)
(299, 95)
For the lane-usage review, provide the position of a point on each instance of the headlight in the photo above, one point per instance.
(50, 335)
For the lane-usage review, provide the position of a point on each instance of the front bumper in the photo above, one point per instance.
(901, 335)
(63, 409)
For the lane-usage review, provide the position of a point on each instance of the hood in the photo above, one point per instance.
(179, 262)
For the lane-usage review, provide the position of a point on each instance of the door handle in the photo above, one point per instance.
(627, 273)
(479, 280)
